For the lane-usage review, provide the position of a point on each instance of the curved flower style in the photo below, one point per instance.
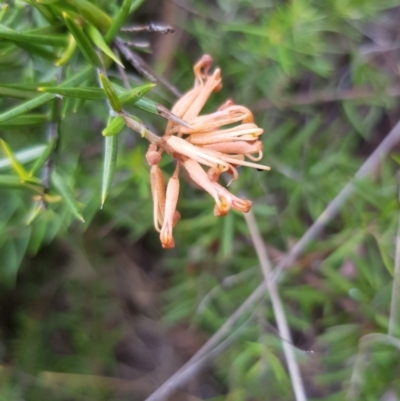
(207, 142)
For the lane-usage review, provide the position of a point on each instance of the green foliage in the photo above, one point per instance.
(319, 81)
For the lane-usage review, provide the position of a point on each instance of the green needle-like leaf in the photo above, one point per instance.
(69, 52)
(26, 119)
(48, 40)
(133, 95)
(46, 97)
(15, 164)
(77, 104)
(82, 93)
(39, 51)
(114, 126)
(93, 93)
(147, 105)
(98, 40)
(17, 93)
(14, 182)
(10, 182)
(136, 5)
(27, 106)
(110, 162)
(47, 1)
(43, 157)
(65, 191)
(118, 20)
(93, 14)
(45, 11)
(82, 41)
(34, 213)
(23, 156)
(3, 11)
(112, 97)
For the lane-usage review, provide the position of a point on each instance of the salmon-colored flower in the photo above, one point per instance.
(211, 141)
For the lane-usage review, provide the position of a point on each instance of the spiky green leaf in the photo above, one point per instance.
(43, 157)
(42, 99)
(29, 38)
(61, 185)
(93, 14)
(99, 41)
(133, 95)
(119, 19)
(112, 97)
(23, 156)
(15, 164)
(92, 93)
(82, 41)
(114, 126)
(110, 162)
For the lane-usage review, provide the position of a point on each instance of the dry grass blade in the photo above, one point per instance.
(283, 327)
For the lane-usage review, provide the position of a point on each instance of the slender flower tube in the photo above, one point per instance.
(171, 216)
(157, 186)
(220, 141)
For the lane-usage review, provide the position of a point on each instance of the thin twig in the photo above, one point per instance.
(153, 27)
(143, 67)
(394, 316)
(193, 367)
(141, 129)
(175, 381)
(327, 215)
(277, 306)
(121, 70)
(138, 44)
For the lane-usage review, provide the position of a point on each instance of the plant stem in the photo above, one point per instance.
(277, 306)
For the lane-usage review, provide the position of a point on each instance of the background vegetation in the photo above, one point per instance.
(97, 310)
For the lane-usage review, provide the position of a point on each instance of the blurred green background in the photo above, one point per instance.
(98, 310)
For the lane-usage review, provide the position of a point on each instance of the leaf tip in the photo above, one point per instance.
(119, 62)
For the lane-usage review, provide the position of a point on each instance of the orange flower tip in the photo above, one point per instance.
(206, 59)
(222, 207)
(218, 87)
(246, 208)
(153, 158)
(204, 64)
(220, 212)
(168, 243)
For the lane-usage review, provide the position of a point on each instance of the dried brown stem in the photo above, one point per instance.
(143, 67)
(283, 327)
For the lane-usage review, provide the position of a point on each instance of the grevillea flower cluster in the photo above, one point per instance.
(215, 143)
